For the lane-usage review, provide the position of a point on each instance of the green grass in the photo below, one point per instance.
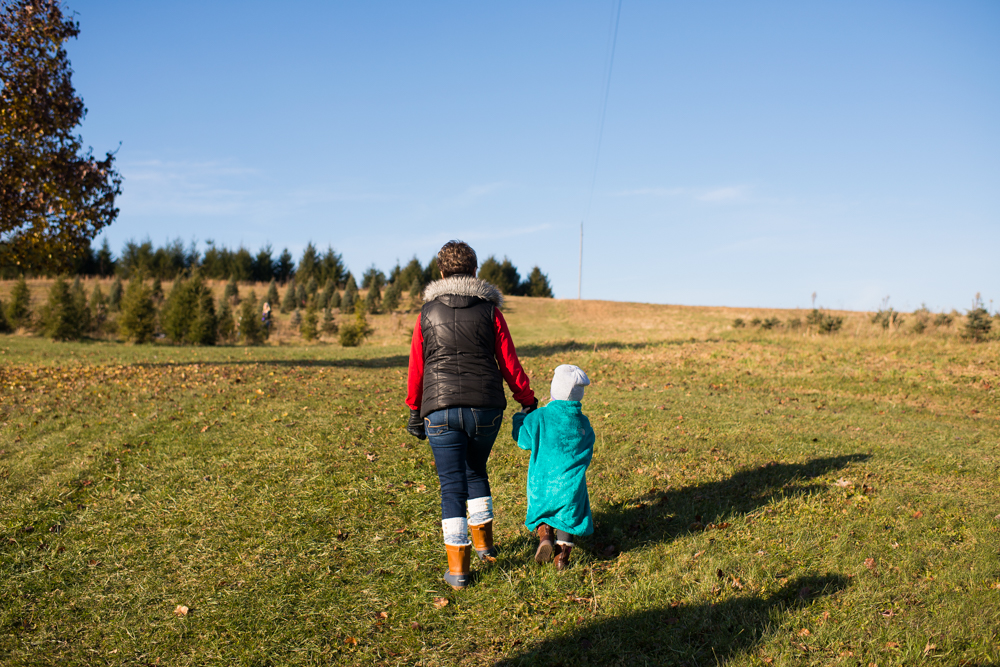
(760, 498)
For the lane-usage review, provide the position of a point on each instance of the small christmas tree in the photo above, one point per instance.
(328, 291)
(537, 284)
(977, 322)
(309, 328)
(312, 286)
(251, 332)
(98, 307)
(232, 291)
(351, 335)
(334, 301)
(288, 303)
(115, 294)
(5, 326)
(301, 296)
(272, 295)
(138, 313)
(350, 296)
(328, 325)
(157, 290)
(416, 294)
(390, 300)
(19, 310)
(60, 321)
(373, 299)
(227, 326)
(80, 306)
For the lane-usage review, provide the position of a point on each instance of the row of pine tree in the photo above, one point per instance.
(318, 268)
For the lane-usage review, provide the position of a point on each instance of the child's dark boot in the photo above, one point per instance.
(546, 543)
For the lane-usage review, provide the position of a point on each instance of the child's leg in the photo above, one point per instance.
(564, 545)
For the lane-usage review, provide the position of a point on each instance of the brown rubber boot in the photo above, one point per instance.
(458, 572)
(482, 541)
(546, 543)
(562, 557)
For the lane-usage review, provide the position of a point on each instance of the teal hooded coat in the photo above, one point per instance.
(561, 442)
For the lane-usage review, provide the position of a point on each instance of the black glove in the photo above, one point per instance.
(415, 426)
(528, 409)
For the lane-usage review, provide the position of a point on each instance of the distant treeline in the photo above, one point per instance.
(175, 259)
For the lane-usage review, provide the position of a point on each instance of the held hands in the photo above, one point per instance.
(519, 416)
(415, 426)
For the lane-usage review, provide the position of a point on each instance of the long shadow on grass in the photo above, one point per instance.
(698, 634)
(394, 361)
(660, 515)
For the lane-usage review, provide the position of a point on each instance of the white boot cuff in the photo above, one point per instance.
(480, 510)
(456, 531)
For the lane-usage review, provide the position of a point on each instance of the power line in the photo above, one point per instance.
(600, 137)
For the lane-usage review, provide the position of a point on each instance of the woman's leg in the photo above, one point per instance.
(482, 427)
(449, 442)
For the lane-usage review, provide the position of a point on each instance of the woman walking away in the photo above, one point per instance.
(460, 355)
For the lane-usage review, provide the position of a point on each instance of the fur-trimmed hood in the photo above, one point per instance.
(464, 286)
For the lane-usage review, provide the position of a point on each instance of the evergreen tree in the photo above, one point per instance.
(350, 295)
(329, 325)
(312, 287)
(251, 332)
(157, 290)
(373, 299)
(309, 328)
(80, 306)
(328, 290)
(977, 322)
(5, 326)
(372, 277)
(227, 326)
(189, 313)
(332, 267)
(502, 274)
(537, 284)
(352, 334)
(288, 303)
(416, 294)
(432, 272)
(272, 294)
(301, 296)
(334, 300)
(412, 271)
(308, 265)
(390, 300)
(263, 266)
(19, 310)
(105, 260)
(60, 321)
(115, 294)
(98, 307)
(232, 291)
(285, 268)
(138, 313)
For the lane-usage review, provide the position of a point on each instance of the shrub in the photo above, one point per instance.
(756, 322)
(295, 320)
(830, 324)
(301, 296)
(288, 303)
(19, 310)
(977, 322)
(60, 321)
(794, 323)
(98, 307)
(814, 318)
(138, 313)
(323, 300)
(157, 290)
(334, 300)
(312, 287)
(416, 294)
(770, 323)
(352, 334)
(887, 317)
(943, 320)
(115, 294)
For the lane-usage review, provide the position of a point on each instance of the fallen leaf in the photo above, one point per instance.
(440, 602)
(353, 641)
(371, 457)
(383, 615)
(930, 647)
(891, 645)
(870, 563)
(181, 610)
(698, 554)
(804, 632)
(843, 483)
(917, 514)
(414, 625)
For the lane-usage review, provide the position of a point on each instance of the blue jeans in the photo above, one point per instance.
(461, 439)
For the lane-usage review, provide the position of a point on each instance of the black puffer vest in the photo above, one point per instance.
(460, 368)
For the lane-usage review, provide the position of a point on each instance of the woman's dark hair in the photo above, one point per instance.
(457, 258)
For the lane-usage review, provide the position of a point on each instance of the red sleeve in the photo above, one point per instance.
(509, 364)
(415, 374)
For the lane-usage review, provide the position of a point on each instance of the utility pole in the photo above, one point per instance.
(579, 284)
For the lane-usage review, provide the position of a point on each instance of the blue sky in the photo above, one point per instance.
(752, 153)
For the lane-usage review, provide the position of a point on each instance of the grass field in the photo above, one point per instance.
(760, 498)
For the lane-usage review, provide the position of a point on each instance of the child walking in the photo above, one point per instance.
(561, 442)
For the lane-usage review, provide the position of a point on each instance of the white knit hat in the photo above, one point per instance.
(568, 383)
